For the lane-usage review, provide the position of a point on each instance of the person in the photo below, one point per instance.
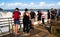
(58, 15)
(39, 17)
(43, 17)
(52, 15)
(56, 11)
(48, 26)
(16, 16)
(48, 16)
(26, 19)
(32, 14)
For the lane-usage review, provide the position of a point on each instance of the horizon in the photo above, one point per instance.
(30, 4)
(27, 8)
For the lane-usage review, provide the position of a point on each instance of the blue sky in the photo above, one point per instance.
(40, 4)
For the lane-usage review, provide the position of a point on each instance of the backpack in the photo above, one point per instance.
(16, 15)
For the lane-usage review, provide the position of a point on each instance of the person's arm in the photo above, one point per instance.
(12, 14)
(29, 16)
(35, 15)
(23, 15)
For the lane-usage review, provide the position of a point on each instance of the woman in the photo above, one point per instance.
(33, 15)
(26, 19)
(39, 17)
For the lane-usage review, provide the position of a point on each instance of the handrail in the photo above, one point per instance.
(6, 23)
(5, 18)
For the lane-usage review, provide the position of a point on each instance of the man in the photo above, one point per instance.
(16, 16)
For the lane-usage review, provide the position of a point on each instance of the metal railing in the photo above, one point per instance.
(6, 22)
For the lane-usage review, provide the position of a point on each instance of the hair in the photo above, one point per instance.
(16, 8)
(26, 9)
(47, 10)
(39, 11)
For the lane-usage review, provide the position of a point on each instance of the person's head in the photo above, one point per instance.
(16, 9)
(47, 10)
(26, 9)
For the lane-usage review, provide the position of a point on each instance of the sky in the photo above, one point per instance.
(30, 4)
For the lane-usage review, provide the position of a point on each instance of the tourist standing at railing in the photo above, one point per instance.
(43, 19)
(33, 15)
(48, 16)
(16, 16)
(39, 17)
(58, 15)
(26, 21)
(53, 14)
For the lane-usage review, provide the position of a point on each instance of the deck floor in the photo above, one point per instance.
(39, 31)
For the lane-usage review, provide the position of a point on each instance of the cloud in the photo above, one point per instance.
(2, 4)
(42, 4)
(58, 3)
(29, 5)
(32, 3)
(22, 5)
(46, 4)
(13, 4)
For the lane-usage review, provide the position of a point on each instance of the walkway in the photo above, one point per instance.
(39, 31)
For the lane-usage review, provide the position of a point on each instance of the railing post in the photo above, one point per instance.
(12, 25)
(9, 24)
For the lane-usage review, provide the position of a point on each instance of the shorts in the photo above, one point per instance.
(17, 22)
